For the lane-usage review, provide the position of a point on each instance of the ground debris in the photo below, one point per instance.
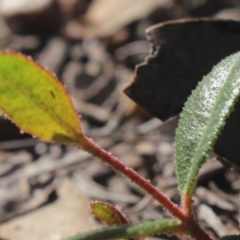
(40, 181)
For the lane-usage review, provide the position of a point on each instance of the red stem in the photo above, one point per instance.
(89, 146)
(196, 232)
(187, 204)
(189, 225)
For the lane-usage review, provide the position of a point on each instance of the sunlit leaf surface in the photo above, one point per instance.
(36, 101)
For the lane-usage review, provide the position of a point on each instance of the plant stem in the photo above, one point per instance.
(91, 147)
(196, 232)
(187, 205)
(189, 225)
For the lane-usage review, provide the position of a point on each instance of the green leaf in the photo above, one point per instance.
(108, 213)
(134, 230)
(36, 101)
(232, 237)
(203, 117)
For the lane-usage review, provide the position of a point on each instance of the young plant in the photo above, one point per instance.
(39, 104)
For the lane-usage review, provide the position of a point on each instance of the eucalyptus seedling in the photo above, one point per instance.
(39, 104)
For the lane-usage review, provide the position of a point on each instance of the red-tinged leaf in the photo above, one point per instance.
(36, 101)
(107, 213)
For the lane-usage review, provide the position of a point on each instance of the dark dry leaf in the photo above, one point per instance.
(183, 51)
(232, 237)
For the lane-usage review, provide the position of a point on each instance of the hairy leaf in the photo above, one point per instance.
(107, 213)
(127, 231)
(203, 118)
(182, 52)
(36, 101)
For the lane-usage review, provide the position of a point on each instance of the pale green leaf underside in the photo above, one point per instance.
(36, 101)
(129, 231)
(203, 117)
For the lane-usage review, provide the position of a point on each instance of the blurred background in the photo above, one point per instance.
(93, 46)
